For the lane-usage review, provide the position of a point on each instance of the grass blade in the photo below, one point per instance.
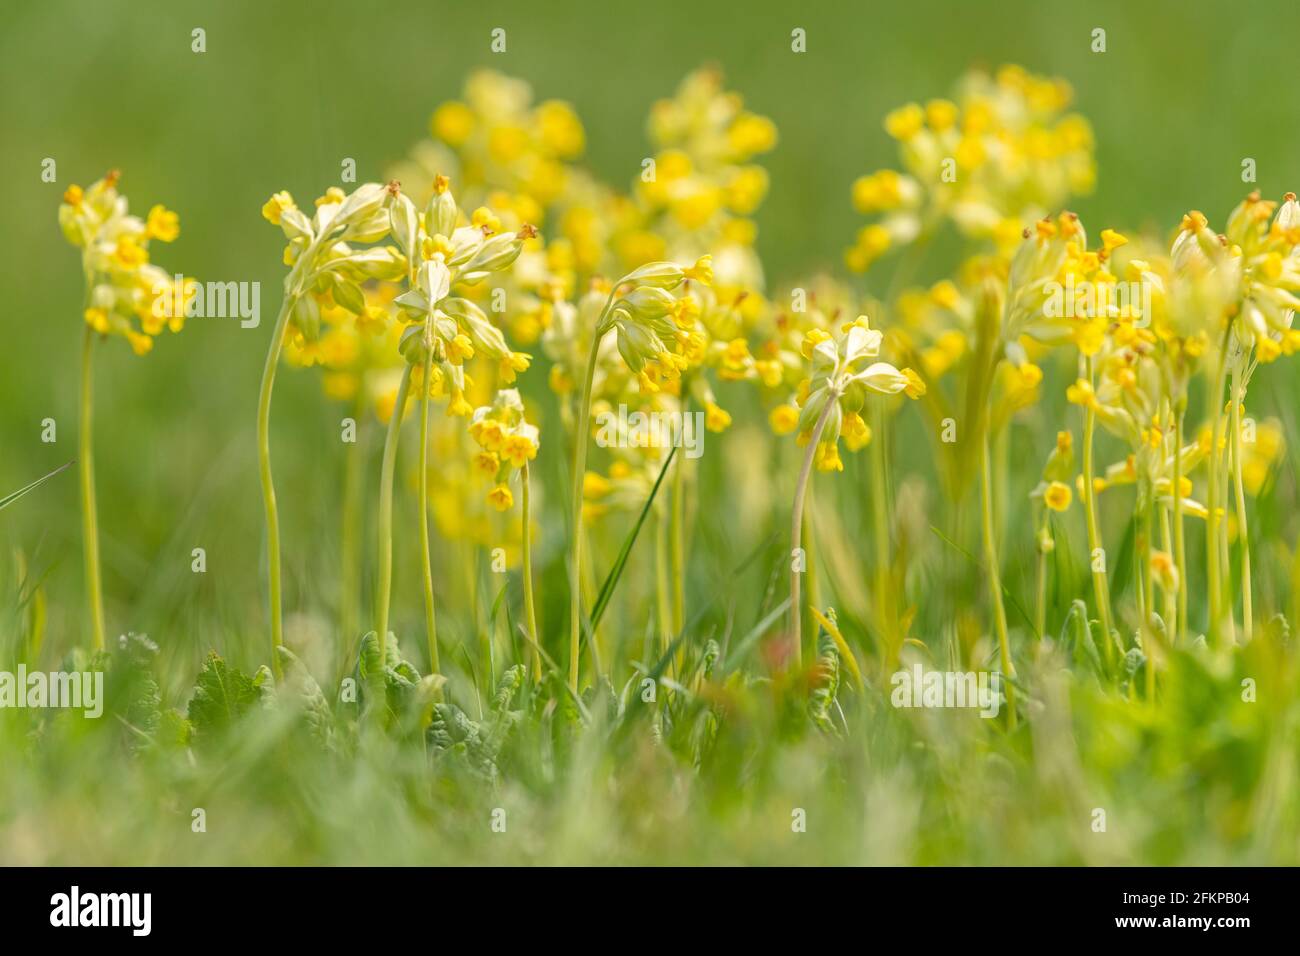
(611, 580)
(10, 498)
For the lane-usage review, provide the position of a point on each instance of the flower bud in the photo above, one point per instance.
(441, 213)
(404, 221)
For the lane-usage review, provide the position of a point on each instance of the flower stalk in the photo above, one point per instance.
(89, 513)
(383, 591)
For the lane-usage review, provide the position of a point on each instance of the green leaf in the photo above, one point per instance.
(825, 683)
(306, 694)
(222, 695)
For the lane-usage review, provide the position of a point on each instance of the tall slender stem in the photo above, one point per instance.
(1212, 548)
(677, 542)
(1243, 533)
(580, 428)
(89, 514)
(994, 573)
(268, 484)
(430, 617)
(1100, 587)
(663, 600)
(350, 533)
(1146, 583)
(384, 587)
(1040, 574)
(1180, 550)
(796, 529)
(530, 610)
(881, 530)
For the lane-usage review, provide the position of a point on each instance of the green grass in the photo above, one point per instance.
(712, 770)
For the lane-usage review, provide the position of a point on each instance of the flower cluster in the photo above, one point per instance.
(998, 155)
(842, 374)
(506, 444)
(127, 295)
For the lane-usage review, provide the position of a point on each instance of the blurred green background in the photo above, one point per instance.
(286, 90)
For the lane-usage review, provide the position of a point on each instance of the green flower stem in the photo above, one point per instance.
(89, 515)
(384, 587)
(1146, 584)
(1180, 550)
(430, 617)
(1243, 533)
(268, 485)
(1040, 574)
(1213, 554)
(579, 469)
(881, 530)
(350, 533)
(530, 610)
(663, 601)
(1100, 586)
(796, 529)
(995, 578)
(677, 542)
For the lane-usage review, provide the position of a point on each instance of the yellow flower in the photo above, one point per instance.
(560, 130)
(73, 195)
(459, 349)
(129, 254)
(750, 134)
(828, 457)
(702, 271)
(486, 463)
(277, 206)
(452, 122)
(940, 114)
(373, 320)
(595, 485)
(1057, 496)
(1081, 393)
(518, 450)
(97, 319)
(905, 122)
(784, 419)
(716, 418)
(500, 498)
(458, 407)
(1164, 570)
(333, 195)
(489, 433)
(485, 219)
(140, 344)
(812, 338)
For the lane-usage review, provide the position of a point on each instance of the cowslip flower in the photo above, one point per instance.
(128, 297)
(443, 254)
(842, 374)
(998, 155)
(326, 264)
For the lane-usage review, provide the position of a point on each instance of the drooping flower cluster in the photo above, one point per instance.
(445, 257)
(506, 444)
(842, 375)
(127, 295)
(332, 254)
